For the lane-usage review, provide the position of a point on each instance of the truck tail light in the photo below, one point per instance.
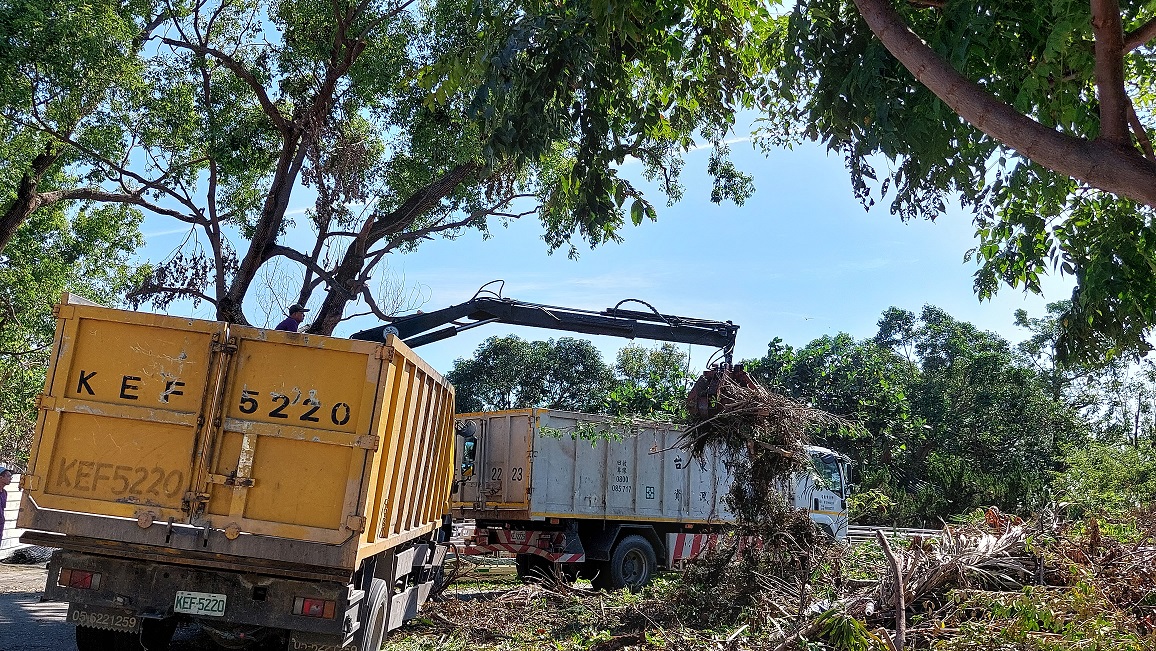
(307, 607)
(80, 579)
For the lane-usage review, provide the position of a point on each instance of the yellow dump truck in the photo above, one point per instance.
(266, 484)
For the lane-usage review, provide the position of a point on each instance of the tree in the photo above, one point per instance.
(408, 120)
(650, 382)
(949, 419)
(86, 254)
(1035, 115)
(1115, 397)
(511, 373)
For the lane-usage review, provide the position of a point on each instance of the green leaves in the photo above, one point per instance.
(511, 373)
(608, 80)
(836, 83)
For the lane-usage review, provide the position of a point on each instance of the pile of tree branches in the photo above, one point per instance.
(765, 565)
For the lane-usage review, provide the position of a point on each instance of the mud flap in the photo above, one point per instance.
(303, 641)
(403, 607)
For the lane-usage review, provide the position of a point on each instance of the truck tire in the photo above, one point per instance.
(155, 635)
(532, 567)
(376, 620)
(95, 639)
(632, 563)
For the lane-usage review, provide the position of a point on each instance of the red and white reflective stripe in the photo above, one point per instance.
(689, 546)
(685, 546)
(523, 549)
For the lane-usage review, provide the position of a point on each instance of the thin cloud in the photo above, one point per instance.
(171, 231)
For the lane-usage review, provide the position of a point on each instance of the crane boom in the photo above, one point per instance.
(415, 330)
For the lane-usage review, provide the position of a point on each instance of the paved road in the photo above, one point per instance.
(26, 624)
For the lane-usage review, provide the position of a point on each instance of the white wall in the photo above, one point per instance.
(10, 536)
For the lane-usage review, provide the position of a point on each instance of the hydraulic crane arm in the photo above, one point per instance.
(415, 329)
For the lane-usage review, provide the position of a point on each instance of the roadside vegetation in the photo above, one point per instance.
(1039, 475)
(991, 583)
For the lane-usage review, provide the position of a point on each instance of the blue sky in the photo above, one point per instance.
(799, 260)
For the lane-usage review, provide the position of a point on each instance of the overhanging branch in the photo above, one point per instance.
(297, 256)
(1140, 35)
(1120, 170)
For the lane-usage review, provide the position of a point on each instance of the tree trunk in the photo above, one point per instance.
(229, 306)
(27, 200)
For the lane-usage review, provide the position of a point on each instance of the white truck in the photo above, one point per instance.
(606, 499)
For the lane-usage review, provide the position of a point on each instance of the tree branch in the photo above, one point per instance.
(243, 73)
(97, 194)
(297, 256)
(1109, 69)
(147, 290)
(1141, 133)
(1140, 36)
(399, 239)
(369, 300)
(1120, 170)
(67, 138)
(421, 202)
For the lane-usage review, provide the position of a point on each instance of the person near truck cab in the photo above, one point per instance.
(293, 321)
(5, 479)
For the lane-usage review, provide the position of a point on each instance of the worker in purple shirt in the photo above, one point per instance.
(293, 321)
(5, 479)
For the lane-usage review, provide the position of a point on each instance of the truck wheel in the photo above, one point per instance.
(95, 639)
(155, 635)
(532, 567)
(632, 563)
(373, 626)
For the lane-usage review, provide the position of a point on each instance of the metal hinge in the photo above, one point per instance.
(231, 480)
(367, 441)
(45, 402)
(385, 353)
(29, 482)
(228, 347)
(193, 503)
(355, 523)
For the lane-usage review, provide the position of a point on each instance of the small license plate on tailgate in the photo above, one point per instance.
(200, 603)
(109, 619)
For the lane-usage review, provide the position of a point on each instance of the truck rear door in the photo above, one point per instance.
(288, 456)
(125, 412)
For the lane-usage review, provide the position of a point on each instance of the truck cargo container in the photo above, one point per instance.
(610, 499)
(257, 481)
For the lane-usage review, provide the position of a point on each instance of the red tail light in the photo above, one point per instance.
(80, 579)
(307, 607)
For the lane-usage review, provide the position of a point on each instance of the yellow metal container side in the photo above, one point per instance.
(237, 430)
